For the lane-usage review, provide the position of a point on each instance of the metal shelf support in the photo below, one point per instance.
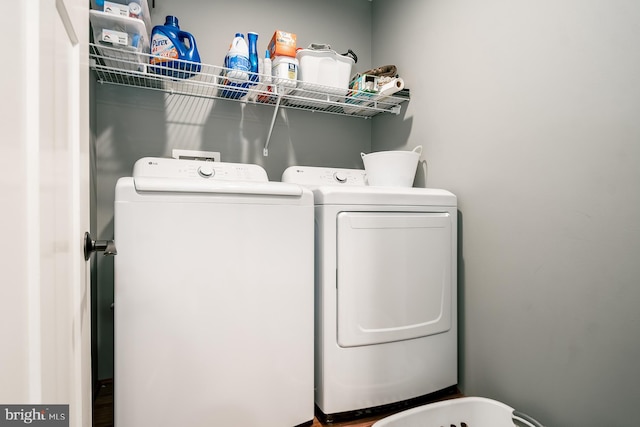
(265, 151)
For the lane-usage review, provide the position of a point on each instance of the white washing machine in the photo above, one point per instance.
(385, 289)
(213, 297)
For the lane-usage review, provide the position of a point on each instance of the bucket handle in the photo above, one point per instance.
(525, 419)
(417, 150)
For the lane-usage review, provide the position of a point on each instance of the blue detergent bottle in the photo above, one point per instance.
(170, 48)
(253, 56)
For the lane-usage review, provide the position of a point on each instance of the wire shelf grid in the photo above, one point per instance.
(129, 67)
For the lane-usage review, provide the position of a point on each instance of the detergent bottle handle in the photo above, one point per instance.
(182, 35)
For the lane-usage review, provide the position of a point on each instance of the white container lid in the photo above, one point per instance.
(324, 53)
(283, 59)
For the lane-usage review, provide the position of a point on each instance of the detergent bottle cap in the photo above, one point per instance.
(171, 20)
(240, 35)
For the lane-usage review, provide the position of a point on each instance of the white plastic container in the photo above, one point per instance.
(324, 67)
(122, 40)
(267, 68)
(391, 168)
(134, 9)
(470, 411)
(284, 71)
(237, 59)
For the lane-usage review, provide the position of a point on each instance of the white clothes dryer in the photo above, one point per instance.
(213, 297)
(385, 291)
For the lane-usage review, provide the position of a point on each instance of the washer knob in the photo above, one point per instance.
(340, 177)
(206, 171)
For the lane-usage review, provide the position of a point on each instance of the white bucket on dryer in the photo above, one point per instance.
(392, 168)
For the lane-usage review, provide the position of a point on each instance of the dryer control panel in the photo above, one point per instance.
(311, 175)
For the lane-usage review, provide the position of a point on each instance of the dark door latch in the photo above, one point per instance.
(91, 246)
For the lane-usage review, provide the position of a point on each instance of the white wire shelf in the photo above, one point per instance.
(127, 67)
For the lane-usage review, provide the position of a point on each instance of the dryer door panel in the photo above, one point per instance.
(394, 276)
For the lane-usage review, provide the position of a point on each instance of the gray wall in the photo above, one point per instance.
(528, 111)
(132, 123)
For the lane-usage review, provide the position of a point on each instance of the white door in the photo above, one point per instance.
(394, 276)
(44, 168)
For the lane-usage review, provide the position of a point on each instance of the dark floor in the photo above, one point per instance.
(103, 405)
(103, 408)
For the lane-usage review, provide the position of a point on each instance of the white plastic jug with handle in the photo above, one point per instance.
(237, 60)
(392, 168)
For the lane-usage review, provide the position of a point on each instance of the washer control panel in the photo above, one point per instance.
(311, 175)
(157, 167)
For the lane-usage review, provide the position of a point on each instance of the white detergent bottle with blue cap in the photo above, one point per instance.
(237, 60)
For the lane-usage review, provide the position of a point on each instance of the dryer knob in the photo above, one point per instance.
(206, 171)
(340, 177)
